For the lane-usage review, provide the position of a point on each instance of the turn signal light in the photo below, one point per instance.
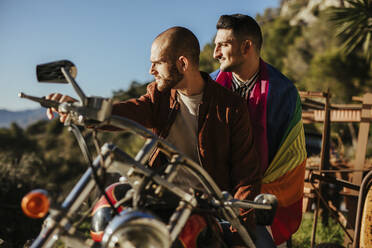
(36, 204)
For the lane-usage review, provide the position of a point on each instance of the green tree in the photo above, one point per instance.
(354, 26)
(15, 142)
(37, 127)
(314, 39)
(135, 90)
(207, 63)
(344, 75)
(278, 35)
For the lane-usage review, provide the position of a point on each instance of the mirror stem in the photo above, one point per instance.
(77, 88)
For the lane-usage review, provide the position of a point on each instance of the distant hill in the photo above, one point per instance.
(22, 118)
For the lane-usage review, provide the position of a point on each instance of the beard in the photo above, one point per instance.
(226, 68)
(170, 81)
(231, 66)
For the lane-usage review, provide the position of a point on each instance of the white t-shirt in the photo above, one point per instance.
(183, 132)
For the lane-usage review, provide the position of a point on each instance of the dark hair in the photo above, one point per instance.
(182, 42)
(242, 26)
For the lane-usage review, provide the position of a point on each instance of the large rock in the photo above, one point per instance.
(305, 11)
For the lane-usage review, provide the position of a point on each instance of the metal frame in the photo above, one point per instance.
(346, 113)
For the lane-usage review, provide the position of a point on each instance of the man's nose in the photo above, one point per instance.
(216, 52)
(152, 70)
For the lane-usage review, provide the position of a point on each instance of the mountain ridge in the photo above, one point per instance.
(22, 117)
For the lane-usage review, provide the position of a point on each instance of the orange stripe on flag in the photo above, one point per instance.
(288, 188)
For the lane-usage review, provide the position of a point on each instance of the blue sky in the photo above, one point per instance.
(109, 41)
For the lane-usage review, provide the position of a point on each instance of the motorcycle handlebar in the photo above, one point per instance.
(42, 100)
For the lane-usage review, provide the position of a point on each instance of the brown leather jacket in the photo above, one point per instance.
(225, 137)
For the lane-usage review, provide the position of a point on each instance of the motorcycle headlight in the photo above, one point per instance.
(136, 229)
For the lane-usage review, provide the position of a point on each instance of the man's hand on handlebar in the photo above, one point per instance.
(58, 98)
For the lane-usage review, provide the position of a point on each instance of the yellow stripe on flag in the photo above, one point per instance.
(291, 153)
(289, 188)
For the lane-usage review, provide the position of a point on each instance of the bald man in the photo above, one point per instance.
(204, 120)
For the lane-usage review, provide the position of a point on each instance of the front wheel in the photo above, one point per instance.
(365, 230)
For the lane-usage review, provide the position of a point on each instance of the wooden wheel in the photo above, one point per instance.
(366, 226)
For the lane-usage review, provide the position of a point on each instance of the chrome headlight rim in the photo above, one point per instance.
(129, 220)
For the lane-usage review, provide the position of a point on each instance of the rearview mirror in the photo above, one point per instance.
(51, 72)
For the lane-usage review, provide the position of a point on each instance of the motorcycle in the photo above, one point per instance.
(181, 186)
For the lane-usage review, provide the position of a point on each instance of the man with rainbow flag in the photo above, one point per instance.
(275, 112)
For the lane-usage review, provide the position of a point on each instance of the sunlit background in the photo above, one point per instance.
(109, 41)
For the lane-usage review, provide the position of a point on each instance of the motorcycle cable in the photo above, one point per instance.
(95, 175)
(88, 157)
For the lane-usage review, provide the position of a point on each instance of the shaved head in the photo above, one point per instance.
(179, 41)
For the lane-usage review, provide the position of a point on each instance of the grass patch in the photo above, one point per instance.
(331, 234)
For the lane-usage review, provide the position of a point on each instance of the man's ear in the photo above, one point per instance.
(183, 63)
(246, 46)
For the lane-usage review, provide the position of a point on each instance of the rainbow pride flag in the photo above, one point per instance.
(275, 112)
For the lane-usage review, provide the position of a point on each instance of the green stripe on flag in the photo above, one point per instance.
(295, 119)
(291, 153)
